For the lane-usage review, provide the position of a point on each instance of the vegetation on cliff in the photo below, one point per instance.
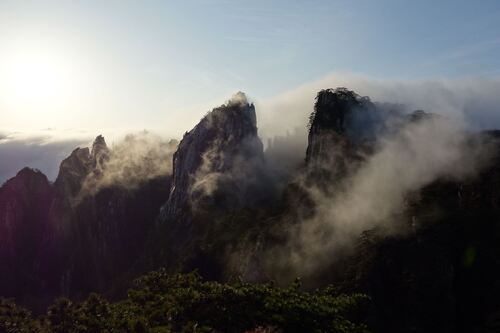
(185, 303)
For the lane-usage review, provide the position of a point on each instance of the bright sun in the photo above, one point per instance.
(35, 78)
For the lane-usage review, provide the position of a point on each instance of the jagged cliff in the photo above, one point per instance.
(24, 230)
(212, 158)
(343, 131)
(218, 170)
(72, 239)
(107, 222)
(437, 276)
(219, 215)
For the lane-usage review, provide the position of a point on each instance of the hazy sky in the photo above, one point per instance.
(129, 65)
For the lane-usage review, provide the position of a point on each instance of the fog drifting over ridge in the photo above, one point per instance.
(373, 195)
(45, 150)
(475, 101)
(42, 151)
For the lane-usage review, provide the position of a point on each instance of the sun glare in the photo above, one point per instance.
(35, 77)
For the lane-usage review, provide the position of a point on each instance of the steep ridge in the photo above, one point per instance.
(223, 144)
(343, 130)
(338, 118)
(107, 225)
(440, 275)
(24, 229)
(217, 172)
(72, 173)
(218, 216)
(57, 240)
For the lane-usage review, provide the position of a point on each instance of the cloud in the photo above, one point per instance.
(132, 161)
(374, 192)
(134, 157)
(282, 119)
(475, 100)
(232, 163)
(39, 150)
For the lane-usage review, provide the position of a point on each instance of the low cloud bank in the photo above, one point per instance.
(133, 158)
(40, 151)
(474, 101)
(132, 161)
(374, 195)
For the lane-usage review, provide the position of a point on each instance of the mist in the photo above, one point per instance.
(41, 151)
(474, 101)
(282, 119)
(232, 168)
(374, 192)
(132, 161)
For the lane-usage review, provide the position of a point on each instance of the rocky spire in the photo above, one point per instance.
(210, 151)
(82, 161)
(341, 123)
(73, 171)
(99, 153)
(99, 146)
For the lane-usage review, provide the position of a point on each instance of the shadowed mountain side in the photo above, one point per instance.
(26, 266)
(219, 169)
(62, 238)
(402, 207)
(442, 276)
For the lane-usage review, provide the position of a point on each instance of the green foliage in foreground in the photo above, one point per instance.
(186, 303)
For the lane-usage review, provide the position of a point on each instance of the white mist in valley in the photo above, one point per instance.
(373, 194)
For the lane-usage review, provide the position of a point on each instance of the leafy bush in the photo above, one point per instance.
(15, 319)
(185, 303)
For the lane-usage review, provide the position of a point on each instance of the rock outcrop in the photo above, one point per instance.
(54, 240)
(218, 171)
(214, 160)
(102, 229)
(78, 166)
(440, 274)
(341, 112)
(24, 229)
(342, 128)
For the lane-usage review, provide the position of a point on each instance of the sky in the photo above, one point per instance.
(82, 68)
(123, 64)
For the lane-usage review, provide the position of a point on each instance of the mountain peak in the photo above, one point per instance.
(341, 122)
(27, 178)
(237, 109)
(99, 140)
(421, 115)
(99, 146)
(332, 107)
(29, 171)
(238, 99)
(100, 152)
(212, 148)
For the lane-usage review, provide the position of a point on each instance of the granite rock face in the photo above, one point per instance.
(344, 113)
(218, 171)
(79, 165)
(54, 240)
(214, 158)
(24, 230)
(102, 232)
(342, 128)
(442, 274)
